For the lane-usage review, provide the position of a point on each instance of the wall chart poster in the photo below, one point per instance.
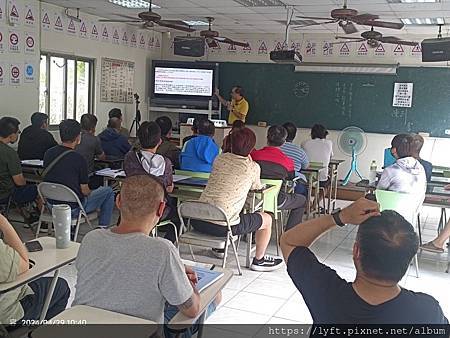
(403, 94)
(117, 81)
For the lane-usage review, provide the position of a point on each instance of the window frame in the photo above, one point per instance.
(91, 88)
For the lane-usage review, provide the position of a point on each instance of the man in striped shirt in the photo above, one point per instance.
(297, 154)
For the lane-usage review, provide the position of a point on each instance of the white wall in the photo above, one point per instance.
(22, 100)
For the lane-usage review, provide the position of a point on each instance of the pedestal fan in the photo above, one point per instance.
(352, 142)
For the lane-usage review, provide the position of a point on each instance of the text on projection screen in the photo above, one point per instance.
(183, 81)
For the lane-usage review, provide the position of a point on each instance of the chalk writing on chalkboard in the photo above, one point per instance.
(301, 89)
(344, 98)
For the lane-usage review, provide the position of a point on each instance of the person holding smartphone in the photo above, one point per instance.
(25, 302)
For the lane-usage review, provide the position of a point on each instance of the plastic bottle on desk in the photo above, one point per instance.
(373, 172)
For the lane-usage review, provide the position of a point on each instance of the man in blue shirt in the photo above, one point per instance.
(199, 153)
(297, 154)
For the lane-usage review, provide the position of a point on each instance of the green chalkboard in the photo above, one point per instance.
(277, 94)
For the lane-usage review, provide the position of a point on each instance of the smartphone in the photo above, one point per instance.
(33, 246)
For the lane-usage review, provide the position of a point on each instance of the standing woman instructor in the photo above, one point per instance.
(238, 106)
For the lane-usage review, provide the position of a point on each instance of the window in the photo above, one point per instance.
(66, 87)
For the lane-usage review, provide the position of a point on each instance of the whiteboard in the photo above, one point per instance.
(117, 81)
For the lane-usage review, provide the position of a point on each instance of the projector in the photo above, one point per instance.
(286, 57)
(434, 50)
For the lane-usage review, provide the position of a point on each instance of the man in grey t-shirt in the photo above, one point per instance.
(90, 146)
(126, 271)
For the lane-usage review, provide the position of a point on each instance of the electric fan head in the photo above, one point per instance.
(352, 139)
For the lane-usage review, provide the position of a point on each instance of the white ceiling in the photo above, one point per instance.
(234, 18)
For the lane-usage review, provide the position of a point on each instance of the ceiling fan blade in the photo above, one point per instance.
(108, 20)
(128, 16)
(364, 17)
(349, 38)
(312, 24)
(231, 42)
(397, 41)
(351, 41)
(384, 24)
(349, 27)
(314, 18)
(168, 24)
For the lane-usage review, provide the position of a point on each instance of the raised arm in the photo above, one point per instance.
(221, 99)
(306, 233)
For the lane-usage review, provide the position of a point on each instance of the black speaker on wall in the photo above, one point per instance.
(434, 50)
(189, 46)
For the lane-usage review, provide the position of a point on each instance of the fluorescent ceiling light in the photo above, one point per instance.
(423, 21)
(195, 23)
(135, 4)
(412, 1)
(260, 3)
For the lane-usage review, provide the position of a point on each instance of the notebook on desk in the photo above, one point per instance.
(108, 172)
(206, 277)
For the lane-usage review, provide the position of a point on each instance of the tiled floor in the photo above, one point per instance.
(270, 297)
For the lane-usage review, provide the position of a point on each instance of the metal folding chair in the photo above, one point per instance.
(195, 210)
(58, 192)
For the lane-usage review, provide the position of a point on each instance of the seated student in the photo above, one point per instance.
(234, 174)
(35, 139)
(25, 302)
(12, 182)
(167, 148)
(90, 147)
(297, 154)
(276, 165)
(384, 247)
(117, 113)
(147, 161)
(124, 270)
(418, 144)
(199, 153)
(113, 143)
(237, 125)
(194, 129)
(319, 149)
(71, 170)
(407, 175)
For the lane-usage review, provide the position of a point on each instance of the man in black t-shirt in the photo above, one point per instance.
(383, 249)
(72, 171)
(35, 139)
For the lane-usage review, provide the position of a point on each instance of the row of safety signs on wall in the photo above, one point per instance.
(311, 48)
(13, 13)
(15, 41)
(17, 73)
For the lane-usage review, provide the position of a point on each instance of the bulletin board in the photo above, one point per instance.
(117, 81)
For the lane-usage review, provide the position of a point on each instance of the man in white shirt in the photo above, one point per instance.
(319, 149)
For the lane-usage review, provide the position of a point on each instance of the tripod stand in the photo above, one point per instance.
(137, 117)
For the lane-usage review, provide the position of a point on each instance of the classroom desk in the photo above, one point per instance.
(76, 322)
(48, 260)
(312, 174)
(438, 179)
(334, 179)
(207, 296)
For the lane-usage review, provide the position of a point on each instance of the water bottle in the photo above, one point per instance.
(373, 172)
(62, 219)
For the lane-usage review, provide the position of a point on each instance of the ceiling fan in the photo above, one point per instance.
(212, 38)
(150, 18)
(374, 39)
(346, 18)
